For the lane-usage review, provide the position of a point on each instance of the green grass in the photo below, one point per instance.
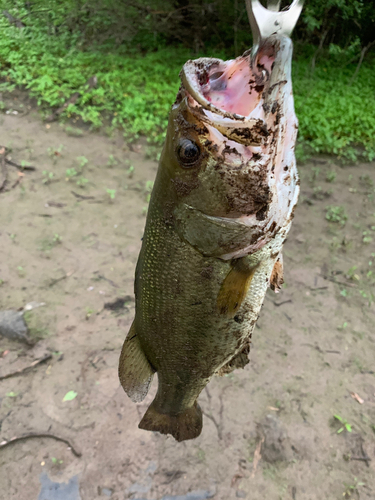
(135, 92)
(335, 117)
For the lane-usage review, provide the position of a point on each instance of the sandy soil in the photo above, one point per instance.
(269, 430)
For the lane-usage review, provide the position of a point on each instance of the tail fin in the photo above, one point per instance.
(184, 425)
(135, 371)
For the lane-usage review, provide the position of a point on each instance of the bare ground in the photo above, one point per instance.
(269, 430)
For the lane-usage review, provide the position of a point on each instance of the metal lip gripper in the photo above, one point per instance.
(267, 22)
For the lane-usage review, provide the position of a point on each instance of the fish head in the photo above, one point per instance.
(231, 138)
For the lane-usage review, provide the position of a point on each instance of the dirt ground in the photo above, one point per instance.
(70, 233)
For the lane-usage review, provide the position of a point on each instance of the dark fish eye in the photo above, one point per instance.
(188, 153)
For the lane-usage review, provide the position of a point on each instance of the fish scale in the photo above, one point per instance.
(221, 208)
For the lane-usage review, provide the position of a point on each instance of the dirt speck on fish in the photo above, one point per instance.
(220, 210)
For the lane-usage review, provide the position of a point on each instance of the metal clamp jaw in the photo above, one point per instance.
(266, 22)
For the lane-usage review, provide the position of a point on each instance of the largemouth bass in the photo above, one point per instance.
(221, 208)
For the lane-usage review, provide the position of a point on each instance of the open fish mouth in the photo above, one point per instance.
(230, 89)
(228, 95)
(237, 96)
(245, 103)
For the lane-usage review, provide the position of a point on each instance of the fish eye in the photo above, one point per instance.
(188, 153)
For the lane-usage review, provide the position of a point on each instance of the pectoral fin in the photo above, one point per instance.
(277, 275)
(235, 287)
(135, 371)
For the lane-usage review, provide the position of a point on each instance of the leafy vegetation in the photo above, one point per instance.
(344, 424)
(200, 25)
(69, 396)
(336, 214)
(63, 44)
(335, 117)
(133, 91)
(111, 193)
(352, 488)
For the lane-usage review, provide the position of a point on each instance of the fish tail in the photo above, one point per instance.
(184, 425)
(135, 371)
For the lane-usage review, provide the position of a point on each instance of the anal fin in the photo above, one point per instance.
(240, 360)
(135, 371)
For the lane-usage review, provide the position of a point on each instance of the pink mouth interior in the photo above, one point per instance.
(231, 85)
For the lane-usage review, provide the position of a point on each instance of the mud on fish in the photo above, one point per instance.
(221, 208)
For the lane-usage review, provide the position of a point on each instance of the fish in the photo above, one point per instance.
(220, 210)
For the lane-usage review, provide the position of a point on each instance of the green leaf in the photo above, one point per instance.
(11, 394)
(69, 396)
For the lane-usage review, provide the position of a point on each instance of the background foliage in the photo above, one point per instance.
(136, 49)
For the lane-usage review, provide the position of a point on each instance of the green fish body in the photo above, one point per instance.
(221, 208)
